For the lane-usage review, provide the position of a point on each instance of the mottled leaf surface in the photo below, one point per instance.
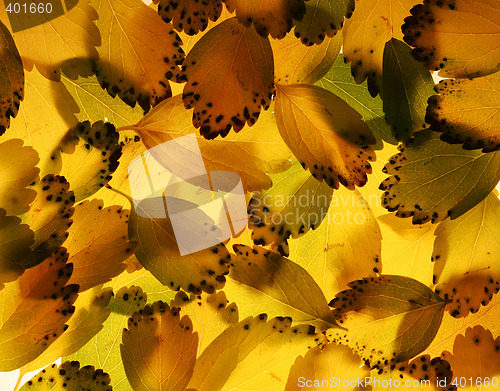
(190, 16)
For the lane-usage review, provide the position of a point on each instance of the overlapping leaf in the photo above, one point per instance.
(432, 180)
(459, 38)
(229, 74)
(191, 16)
(326, 135)
(467, 112)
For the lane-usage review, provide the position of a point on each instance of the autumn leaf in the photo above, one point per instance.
(390, 318)
(466, 113)
(275, 17)
(12, 84)
(325, 134)
(432, 180)
(222, 99)
(191, 16)
(437, 31)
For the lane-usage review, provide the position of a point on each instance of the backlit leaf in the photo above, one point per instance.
(290, 208)
(35, 309)
(325, 134)
(171, 345)
(191, 16)
(323, 18)
(373, 23)
(274, 17)
(253, 354)
(406, 87)
(432, 180)
(70, 376)
(467, 112)
(391, 318)
(282, 286)
(221, 97)
(459, 38)
(98, 243)
(139, 52)
(12, 83)
(464, 252)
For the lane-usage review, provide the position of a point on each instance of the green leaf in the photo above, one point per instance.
(406, 86)
(277, 285)
(464, 253)
(391, 318)
(431, 180)
(12, 83)
(190, 16)
(340, 81)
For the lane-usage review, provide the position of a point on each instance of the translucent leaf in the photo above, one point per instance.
(372, 24)
(12, 84)
(191, 16)
(50, 44)
(49, 217)
(96, 104)
(139, 52)
(406, 87)
(88, 155)
(253, 354)
(245, 153)
(210, 314)
(35, 309)
(459, 38)
(90, 313)
(323, 18)
(295, 63)
(18, 168)
(475, 357)
(294, 204)
(326, 135)
(69, 375)
(466, 112)
(280, 285)
(336, 363)
(389, 318)
(274, 17)
(464, 253)
(98, 243)
(340, 81)
(432, 180)
(220, 96)
(345, 247)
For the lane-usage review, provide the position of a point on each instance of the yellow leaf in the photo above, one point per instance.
(216, 88)
(98, 243)
(274, 17)
(34, 310)
(326, 135)
(459, 38)
(159, 349)
(139, 52)
(12, 85)
(56, 42)
(467, 112)
(191, 16)
(373, 23)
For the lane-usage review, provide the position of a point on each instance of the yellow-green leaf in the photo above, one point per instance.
(325, 134)
(12, 82)
(139, 52)
(159, 349)
(390, 319)
(323, 18)
(254, 354)
(221, 97)
(35, 310)
(274, 17)
(432, 180)
(467, 112)
(459, 38)
(191, 16)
